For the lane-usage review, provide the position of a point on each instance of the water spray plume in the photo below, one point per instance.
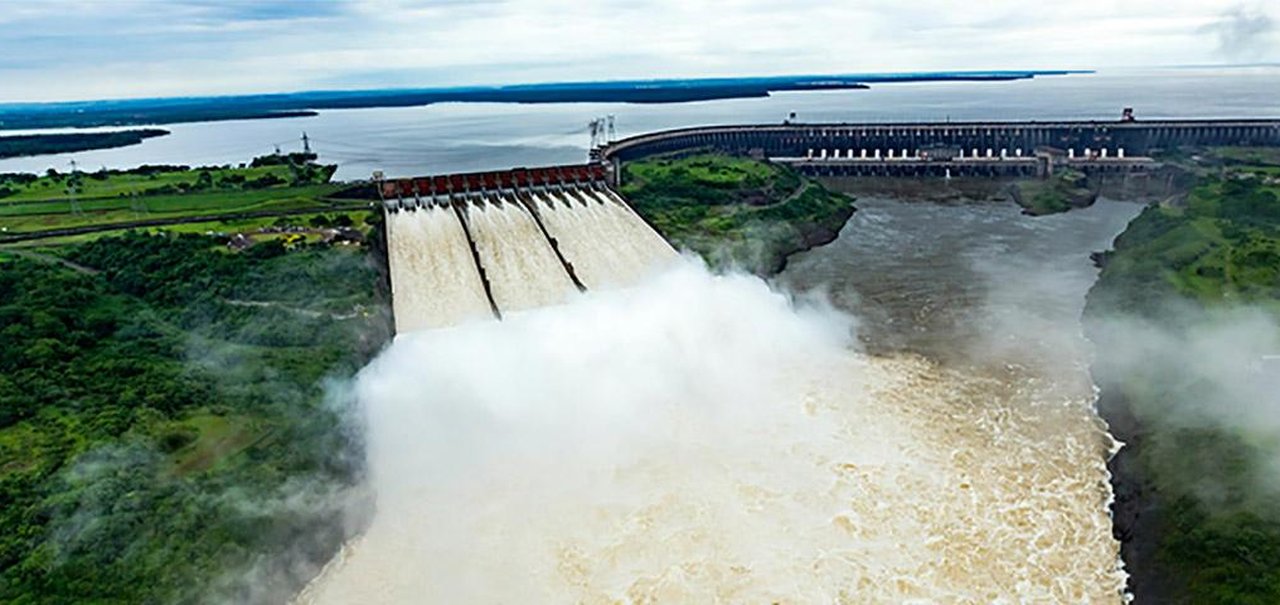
(702, 437)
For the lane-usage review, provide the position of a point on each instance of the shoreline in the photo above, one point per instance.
(37, 145)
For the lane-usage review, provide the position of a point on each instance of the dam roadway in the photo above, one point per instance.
(976, 148)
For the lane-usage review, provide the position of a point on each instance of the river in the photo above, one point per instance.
(965, 282)
(699, 439)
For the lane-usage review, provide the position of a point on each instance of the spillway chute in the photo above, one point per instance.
(524, 238)
(434, 278)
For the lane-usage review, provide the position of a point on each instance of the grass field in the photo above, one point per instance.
(717, 171)
(53, 245)
(285, 184)
(18, 218)
(91, 185)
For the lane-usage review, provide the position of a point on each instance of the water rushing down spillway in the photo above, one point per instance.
(607, 244)
(459, 260)
(522, 269)
(434, 281)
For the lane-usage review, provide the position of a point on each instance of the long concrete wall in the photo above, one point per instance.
(981, 139)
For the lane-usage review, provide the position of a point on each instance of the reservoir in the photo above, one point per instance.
(449, 137)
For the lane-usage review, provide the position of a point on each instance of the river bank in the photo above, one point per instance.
(1184, 315)
(735, 212)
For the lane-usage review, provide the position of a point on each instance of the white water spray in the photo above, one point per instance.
(698, 438)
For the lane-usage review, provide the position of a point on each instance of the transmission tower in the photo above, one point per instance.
(136, 205)
(612, 134)
(595, 127)
(71, 190)
(306, 144)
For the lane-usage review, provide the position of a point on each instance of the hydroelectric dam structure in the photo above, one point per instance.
(485, 244)
(983, 149)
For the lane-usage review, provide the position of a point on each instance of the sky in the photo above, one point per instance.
(96, 49)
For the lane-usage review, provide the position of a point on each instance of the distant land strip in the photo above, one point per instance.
(301, 104)
(41, 144)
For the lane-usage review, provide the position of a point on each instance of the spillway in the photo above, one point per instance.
(469, 246)
(434, 280)
(606, 243)
(522, 268)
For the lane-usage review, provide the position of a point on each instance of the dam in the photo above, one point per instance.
(706, 438)
(702, 438)
(475, 245)
(951, 148)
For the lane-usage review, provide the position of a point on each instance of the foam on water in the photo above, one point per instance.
(699, 438)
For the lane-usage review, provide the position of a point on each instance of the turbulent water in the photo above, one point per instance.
(702, 438)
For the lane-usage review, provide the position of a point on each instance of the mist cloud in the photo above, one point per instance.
(1197, 369)
(703, 438)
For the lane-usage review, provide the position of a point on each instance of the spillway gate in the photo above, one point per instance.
(467, 246)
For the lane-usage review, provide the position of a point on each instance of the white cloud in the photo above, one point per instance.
(118, 48)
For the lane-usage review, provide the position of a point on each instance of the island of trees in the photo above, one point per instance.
(41, 144)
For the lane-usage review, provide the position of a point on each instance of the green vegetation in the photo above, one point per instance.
(39, 144)
(31, 217)
(1222, 246)
(157, 180)
(1060, 193)
(1216, 532)
(735, 211)
(163, 418)
(31, 203)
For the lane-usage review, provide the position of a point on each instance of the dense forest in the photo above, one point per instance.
(40, 144)
(1186, 291)
(172, 421)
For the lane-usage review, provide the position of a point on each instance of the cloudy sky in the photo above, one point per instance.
(89, 49)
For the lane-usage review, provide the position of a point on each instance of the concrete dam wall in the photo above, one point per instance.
(952, 148)
(1079, 138)
(468, 246)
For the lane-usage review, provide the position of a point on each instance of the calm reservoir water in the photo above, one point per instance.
(462, 137)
